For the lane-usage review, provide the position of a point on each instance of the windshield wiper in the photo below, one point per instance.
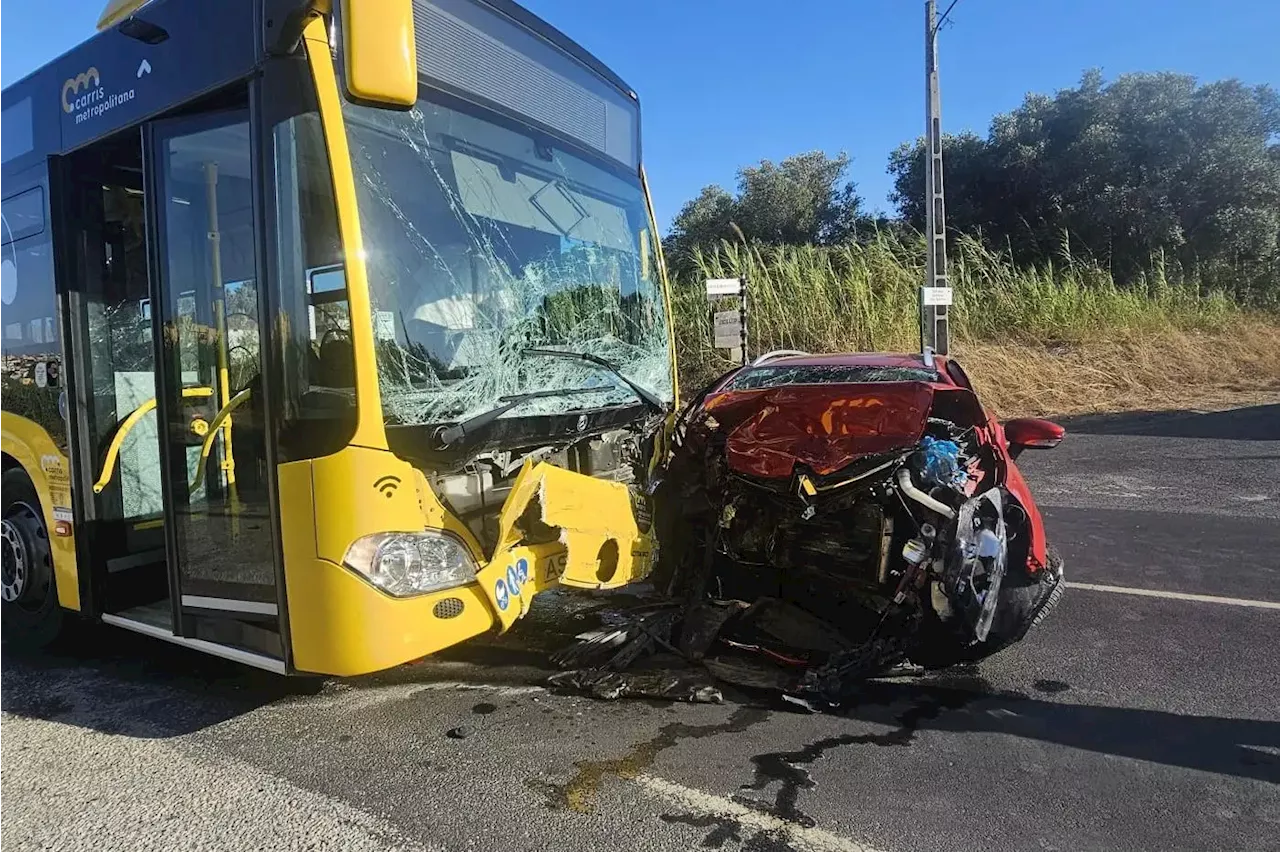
(646, 396)
(446, 435)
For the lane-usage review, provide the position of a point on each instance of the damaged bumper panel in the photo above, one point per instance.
(817, 536)
(558, 527)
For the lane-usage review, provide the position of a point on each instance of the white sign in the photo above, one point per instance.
(728, 329)
(935, 295)
(728, 322)
(728, 339)
(724, 286)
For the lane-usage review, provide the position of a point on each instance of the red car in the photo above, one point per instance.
(867, 498)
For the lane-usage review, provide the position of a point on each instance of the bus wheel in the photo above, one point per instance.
(31, 615)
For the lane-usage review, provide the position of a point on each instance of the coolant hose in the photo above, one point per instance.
(909, 489)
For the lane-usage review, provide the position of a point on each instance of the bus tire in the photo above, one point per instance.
(29, 612)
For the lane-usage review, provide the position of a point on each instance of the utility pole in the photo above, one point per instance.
(935, 295)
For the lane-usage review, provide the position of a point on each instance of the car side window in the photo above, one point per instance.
(958, 375)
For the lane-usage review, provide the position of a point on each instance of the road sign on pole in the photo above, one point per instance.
(935, 296)
(729, 327)
(723, 287)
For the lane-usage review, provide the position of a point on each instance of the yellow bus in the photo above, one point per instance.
(333, 331)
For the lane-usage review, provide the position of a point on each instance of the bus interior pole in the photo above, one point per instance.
(222, 344)
(934, 326)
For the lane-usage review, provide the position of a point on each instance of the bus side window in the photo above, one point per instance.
(330, 325)
(32, 342)
(312, 333)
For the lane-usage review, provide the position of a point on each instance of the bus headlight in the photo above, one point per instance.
(407, 564)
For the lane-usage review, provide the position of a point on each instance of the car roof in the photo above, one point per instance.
(853, 359)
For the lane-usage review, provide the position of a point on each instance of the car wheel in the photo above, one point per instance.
(1025, 601)
(29, 610)
(1024, 607)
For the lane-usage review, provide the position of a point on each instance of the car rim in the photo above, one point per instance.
(16, 560)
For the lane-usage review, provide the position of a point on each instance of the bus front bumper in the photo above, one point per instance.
(341, 624)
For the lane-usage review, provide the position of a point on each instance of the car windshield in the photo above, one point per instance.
(821, 374)
(484, 238)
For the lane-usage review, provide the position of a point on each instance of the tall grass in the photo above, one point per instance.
(863, 297)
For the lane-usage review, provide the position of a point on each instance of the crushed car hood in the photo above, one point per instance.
(824, 427)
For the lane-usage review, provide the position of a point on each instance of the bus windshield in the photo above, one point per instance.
(483, 238)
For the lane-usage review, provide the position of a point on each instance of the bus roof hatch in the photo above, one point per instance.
(117, 11)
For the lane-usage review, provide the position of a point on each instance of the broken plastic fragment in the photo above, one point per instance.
(804, 703)
(609, 686)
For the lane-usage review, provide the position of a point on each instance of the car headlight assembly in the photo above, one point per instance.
(408, 564)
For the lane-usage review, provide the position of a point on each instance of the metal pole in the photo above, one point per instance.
(742, 318)
(934, 328)
(220, 329)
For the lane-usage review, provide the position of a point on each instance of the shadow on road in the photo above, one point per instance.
(1244, 748)
(118, 682)
(1258, 423)
(104, 678)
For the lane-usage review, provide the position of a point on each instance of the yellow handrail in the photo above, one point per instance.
(113, 451)
(223, 414)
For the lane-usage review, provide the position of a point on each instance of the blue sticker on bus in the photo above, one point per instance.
(500, 593)
(513, 580)
(522, 571)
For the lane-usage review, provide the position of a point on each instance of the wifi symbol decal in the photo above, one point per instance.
(387, 486)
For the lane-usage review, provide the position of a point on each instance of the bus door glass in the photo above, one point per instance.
(213, 413)
(113, 357)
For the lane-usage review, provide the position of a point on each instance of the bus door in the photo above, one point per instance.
(117, 449)
(214, 439)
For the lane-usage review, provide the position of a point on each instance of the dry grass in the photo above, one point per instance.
(1158, 371)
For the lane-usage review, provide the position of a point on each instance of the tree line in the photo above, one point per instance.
(1146, 169)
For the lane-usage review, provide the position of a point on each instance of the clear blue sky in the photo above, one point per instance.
(725, 83)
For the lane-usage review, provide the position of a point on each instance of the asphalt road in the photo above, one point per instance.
(1124, 722)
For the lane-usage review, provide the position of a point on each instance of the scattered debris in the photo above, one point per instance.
(460, 733)
(610, 685)
(802, 703)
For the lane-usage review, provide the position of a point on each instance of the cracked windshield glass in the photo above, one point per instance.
(484, 239)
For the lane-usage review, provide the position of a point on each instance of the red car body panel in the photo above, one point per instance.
(823, 427)
(1037, 552)
(827, 426)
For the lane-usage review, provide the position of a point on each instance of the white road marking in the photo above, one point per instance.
(1177, 596)
(706, 804)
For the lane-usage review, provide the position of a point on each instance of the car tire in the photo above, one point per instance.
(1049, 593)
(29, 611)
